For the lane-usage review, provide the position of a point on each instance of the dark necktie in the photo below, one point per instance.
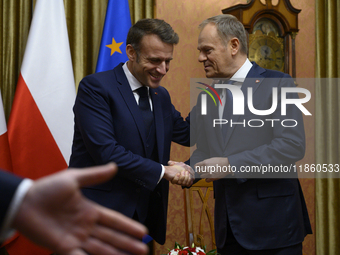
(228, 110)
(144, 105)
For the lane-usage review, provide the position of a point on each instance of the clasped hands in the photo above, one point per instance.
(179, 173)
(209, 176)
(182, 174)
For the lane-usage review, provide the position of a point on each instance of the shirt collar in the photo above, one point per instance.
(133, 82)
(242, 73)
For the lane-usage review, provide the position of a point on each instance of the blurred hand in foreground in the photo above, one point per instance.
(56, 215)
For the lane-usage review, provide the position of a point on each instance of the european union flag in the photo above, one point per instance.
(116, 27)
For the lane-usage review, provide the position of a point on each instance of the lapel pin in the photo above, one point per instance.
(156, 93)
(257, 81)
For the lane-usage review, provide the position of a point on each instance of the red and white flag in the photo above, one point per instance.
(40, 127)
(5, 156)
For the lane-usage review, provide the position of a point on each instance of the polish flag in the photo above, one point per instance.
(40, 127)
(5, 156)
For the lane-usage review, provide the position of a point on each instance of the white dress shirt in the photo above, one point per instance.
(135, 84)
(6, 231)
(239, 76)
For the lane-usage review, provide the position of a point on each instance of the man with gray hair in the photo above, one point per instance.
(253, 214)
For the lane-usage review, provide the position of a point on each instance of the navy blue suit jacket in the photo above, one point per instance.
(264, 213)
(8, 186)
(109, 127)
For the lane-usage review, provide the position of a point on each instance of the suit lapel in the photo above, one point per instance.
(158, 120)
(130, 101)
(253, 80)
(212, 114)
(215, 133)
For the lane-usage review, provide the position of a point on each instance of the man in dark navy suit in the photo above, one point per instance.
(254, 213)
(53, 213)
(124, 115)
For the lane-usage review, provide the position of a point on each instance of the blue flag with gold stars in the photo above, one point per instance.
(116, 27)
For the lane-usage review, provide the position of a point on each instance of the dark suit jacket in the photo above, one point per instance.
(8, 186)
(109, 127)
(264, 213)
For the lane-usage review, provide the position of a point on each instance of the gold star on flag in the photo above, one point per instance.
(114, 46)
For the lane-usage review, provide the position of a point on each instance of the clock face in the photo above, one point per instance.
(267, 52)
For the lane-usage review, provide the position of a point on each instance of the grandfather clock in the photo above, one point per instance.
(271, 32)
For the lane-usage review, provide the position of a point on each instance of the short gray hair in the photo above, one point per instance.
(228, 26)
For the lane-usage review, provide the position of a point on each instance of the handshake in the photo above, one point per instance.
(179, 173)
